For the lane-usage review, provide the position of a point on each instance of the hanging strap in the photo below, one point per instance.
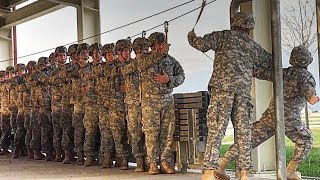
(204, 2)
(166, 30)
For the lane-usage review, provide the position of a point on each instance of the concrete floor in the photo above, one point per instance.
(12, 169)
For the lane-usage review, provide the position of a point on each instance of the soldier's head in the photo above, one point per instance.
(242, 21)
(83, 51)
(42, 63)
(109, 52)
(20, 68)
(53, 58)
(123, 49)
(300, 57)
(31, 66)
(10, 72)
(157, 40)
(2, 75)
(140, 45)
(72, 53)
(95, 51)
(61, 54)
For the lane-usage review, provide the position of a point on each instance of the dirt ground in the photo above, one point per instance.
(12, 169)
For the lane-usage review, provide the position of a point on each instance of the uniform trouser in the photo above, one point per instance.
(5, 128)
(19, 135)
(13, 119)
(135, 128)
(68, 130)
(264, 129)
(223, 106)
(42, 135)
(91, 125)
(28, 127)
(118, 128)
(158, 121)
(106, 134)
(56, 115)
(77, 123)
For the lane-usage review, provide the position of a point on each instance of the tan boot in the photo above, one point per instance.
(106, 160)
(153, 168)
(291, 170)
(244, 175)
(124, 164)
(37, 155)
(166, 168)
(58, 157)
(118, 162)
(49, 155)
(67, 155)
(4, 152)
(220, 172)
(80, 160)
(89, 161)
(208, 175)
(140, 164)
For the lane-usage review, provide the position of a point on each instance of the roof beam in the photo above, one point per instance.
(29, 12)
(74, 3)
(11, 3)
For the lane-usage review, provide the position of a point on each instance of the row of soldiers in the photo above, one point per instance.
(58, 108)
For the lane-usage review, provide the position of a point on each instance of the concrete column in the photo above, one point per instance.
(263, 157)
(6, 49)
(88, 18)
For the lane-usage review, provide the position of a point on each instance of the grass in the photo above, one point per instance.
(310, 167)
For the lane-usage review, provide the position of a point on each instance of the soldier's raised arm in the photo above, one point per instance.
(207, 42)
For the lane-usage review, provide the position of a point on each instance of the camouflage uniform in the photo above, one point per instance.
(299, 86)
(40, 111)
(20, 133)
(236, 56)
(5, 113)
(27, 107)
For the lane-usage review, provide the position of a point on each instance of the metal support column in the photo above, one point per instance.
(88, 18)
(278, 90)
(6, 50)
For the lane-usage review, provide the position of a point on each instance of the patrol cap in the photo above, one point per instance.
(243, 20)
(52, 55)
(43, 61)
(108, 48)
(300, 57)
(2, 73)
(93, 47)
(72, 49)
(123, 44)
(156, 37)
(140, 43)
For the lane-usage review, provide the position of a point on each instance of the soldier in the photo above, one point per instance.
(157, 104)
(62, 123)
(299, 85)
(132, 86)
(19, 135)
(27, 106)
(103, 89)
(41, 111)
(2, 78)
(5, 111)
(77, 98)
(236, 57)
(91, 117)
(13, 103)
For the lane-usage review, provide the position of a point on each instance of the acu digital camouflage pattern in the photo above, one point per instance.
(236, 58)
(243, 20)
(134, 113)
(157, 104)
(299, 86)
